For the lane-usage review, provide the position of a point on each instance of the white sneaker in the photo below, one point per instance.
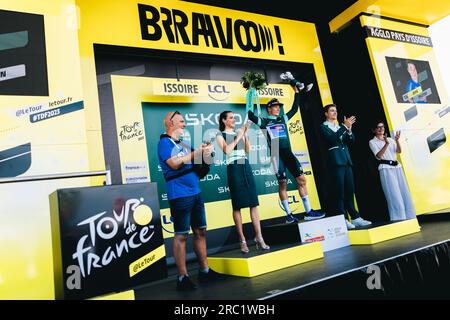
(309, 87)
(360, 222)
(349, 225)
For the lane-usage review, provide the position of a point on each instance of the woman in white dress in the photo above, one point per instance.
(392, 178)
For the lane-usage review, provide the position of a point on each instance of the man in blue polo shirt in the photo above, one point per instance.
(183, 191)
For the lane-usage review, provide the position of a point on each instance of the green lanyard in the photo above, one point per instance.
(252, 94)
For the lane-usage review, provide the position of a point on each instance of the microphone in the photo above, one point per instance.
(208, 142)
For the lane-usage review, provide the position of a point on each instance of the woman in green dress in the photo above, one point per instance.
(235, 145)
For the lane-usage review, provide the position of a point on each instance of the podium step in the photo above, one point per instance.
(381, 232)
(256, 263)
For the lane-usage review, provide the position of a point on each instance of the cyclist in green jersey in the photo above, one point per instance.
(282, 157)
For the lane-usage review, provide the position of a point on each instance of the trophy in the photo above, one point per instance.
(289, 78)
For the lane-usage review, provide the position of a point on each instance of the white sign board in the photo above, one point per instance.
(332, 232)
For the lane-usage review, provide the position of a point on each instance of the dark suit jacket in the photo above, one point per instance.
(336, 143)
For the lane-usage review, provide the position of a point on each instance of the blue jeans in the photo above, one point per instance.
(188, 212)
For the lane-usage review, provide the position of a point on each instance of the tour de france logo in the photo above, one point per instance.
(111, 237)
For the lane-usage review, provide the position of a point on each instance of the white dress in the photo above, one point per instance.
(393, 182)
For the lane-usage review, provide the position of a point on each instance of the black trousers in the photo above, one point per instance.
(345, 191)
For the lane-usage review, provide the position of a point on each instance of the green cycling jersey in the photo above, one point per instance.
(276, 126)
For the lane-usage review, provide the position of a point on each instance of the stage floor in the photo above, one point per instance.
(274, 284)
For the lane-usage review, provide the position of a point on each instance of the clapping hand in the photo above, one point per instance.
(243, 131)
(246, 126)
(348, 122)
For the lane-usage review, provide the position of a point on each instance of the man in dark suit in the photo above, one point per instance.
(337, 137)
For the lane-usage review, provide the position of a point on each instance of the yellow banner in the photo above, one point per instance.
(191, 27)
(42, 131)
(215, 90)
(416, 104)
(147, 260)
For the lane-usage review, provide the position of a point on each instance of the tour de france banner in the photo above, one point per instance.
(42, 132)
(140, 107)
(106, 239)
(416, 104)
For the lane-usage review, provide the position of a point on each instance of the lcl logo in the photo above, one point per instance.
(292, 199)
(218, 92)
(167, 222)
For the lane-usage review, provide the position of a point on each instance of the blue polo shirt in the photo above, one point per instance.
(186, 185)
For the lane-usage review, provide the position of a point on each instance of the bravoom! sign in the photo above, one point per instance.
(181, 28)
(106, 239)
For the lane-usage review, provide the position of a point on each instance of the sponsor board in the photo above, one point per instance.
(331, 231)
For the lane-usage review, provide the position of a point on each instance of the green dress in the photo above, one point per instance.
(240, 175)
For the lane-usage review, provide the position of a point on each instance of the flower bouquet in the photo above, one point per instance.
(253, 81)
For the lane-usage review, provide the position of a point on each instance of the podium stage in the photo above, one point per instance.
(258, 262)
(339, 274)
